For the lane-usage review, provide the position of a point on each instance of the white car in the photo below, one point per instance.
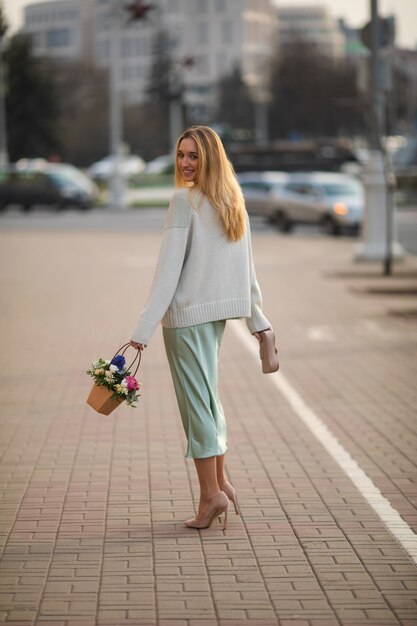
(334, 201)
(163, 164)
(263, 192)
(131, 165)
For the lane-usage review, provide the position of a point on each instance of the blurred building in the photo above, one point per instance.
(312, 24)
(213, 36)
(61, 29)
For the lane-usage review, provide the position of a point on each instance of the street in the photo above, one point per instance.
(92, 512)
(153, 219)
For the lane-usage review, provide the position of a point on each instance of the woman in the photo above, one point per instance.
(203, 277)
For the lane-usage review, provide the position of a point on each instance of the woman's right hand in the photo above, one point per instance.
(257, 334)
(136, 345)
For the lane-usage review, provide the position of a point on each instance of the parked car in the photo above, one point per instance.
(131, 166)
(56, 185)
(332, 200)
(264, 192)
(163, 164)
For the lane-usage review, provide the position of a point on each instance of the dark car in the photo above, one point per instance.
(47, 187)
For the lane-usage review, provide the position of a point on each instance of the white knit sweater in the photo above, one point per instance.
(200, 275)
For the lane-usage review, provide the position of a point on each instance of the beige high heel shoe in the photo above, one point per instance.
(218, 504)
(230, 492)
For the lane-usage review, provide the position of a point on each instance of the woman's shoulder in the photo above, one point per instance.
(180, 193)
(179, 209)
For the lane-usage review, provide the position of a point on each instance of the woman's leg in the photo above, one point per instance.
(221, 475)
(207, 477)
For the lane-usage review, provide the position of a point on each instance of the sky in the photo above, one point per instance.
(356, 12)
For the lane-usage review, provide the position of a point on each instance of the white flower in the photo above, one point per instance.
(107, 361)
(124, 382)
(113, 368)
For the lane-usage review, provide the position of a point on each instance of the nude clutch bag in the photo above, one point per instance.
(268, 352)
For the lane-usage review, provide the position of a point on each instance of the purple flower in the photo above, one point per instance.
(119, 361)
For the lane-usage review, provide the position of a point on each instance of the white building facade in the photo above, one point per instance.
(61, 29)
(216, 35)
(312, 24)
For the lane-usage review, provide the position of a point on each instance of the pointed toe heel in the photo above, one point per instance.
(218, 504)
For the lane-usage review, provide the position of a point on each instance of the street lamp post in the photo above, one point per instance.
(261, 94)
(175, 108)
(4, 157)
(117, 182)
(261, 119)
(377, 237)
(136, 10)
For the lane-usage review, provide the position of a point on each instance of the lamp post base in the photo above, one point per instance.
(378, 235)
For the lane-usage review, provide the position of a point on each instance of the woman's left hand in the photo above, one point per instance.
(137, 346)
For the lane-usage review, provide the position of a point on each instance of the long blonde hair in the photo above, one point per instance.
(216, 179)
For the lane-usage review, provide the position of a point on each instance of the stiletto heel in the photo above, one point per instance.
(225, 517)
(218, 505)
(230, 492)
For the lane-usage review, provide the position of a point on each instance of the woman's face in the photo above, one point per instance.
(187, 159)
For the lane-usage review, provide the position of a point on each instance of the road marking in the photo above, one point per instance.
(387, 514)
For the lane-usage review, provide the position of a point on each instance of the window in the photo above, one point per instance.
(227, 31)
(127, 72)
(223, 63)
(127, 48)
(202, 33)
(142, 45)
(201, 6)
(103, 50)
(173, 6)
(58, 38)
(203, 66)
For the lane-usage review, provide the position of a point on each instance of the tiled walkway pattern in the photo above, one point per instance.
(92, 506)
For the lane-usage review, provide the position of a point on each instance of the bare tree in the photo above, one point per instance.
(83, 111)
(235, 105)
(313, 94)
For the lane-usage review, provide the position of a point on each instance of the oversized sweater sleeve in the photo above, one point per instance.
(257, 321)
(168, 268)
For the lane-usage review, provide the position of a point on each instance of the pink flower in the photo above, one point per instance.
(132, 383)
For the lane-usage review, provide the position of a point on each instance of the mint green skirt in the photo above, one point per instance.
(193, 354)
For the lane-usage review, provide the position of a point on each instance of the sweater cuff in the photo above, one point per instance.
(257, 321)
(143, 331)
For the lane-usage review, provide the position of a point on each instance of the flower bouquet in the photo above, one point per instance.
(113, 382)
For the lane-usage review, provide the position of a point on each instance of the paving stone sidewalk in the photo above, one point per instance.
(92, 507)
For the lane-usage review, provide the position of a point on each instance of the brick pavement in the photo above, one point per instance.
(92, 506)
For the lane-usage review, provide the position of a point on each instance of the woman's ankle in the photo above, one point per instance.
(209, 495)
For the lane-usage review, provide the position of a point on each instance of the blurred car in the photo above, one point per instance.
(264, 192)
(163, 164)
(52, 185)
(69, 171)
(334, 201)
(131, 166)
